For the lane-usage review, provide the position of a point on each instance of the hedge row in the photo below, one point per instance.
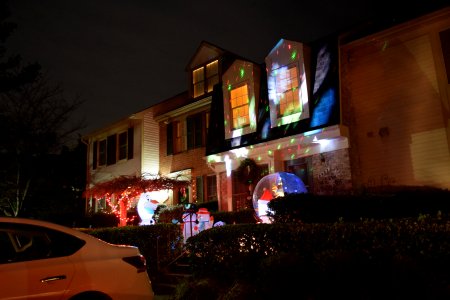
(382, 203)
(360, 260)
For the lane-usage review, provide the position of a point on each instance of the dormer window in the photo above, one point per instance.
(240, 90)
(286, 82)
(239, 107)
(204, 78)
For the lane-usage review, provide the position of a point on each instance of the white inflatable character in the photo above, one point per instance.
(146, 209)
(203, 216)
(190, 226)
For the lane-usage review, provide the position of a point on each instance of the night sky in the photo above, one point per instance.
(123, 56)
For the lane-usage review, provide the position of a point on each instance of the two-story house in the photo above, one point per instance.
(345, 112)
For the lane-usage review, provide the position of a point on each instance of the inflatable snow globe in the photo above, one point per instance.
(272, 186)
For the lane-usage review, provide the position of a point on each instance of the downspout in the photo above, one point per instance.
(88, 174)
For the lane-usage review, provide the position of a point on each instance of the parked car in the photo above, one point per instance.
(42, 260)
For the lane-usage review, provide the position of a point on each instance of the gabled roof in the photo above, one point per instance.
(207, 51)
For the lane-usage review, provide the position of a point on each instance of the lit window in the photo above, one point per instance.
(239, 107)
(178, 138)
(212, 75)
(198, 81)
(287, 90)
(204, 78)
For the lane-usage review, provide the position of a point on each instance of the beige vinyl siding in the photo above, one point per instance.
(397, 119)
(150, 144)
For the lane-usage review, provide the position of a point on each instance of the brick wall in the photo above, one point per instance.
(332, 173)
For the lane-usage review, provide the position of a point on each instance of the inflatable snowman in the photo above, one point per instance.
(146, 209)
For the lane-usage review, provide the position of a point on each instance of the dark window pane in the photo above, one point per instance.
(123, 146)
(111, 145)
(130, 142)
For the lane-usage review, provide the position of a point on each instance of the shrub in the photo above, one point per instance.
(359, 260)
(246, 216)
(166, 214)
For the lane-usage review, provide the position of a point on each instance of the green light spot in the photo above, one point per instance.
(292, 140)
(292, 156)
(294, 54)
(259, 158)
(279, 146)
(241, 72)
(270, 152)
(229, 87)
(225, 122)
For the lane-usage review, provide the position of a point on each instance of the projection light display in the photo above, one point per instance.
(286, 82)
(239, 99)
(324, 92)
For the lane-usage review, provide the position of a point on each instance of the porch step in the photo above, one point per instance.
(172, 275)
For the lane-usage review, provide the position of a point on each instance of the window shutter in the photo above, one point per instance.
(130, 142)
(169, 139)
(111, 145)
(199, 187)
(94, 155)
(190, 132)
(198, 130)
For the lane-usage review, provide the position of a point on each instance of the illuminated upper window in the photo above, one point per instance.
(239, 107)
(240, 90)
(198, 80)
(204, 78)
(286, 82)
(178, 137)
(212, 75)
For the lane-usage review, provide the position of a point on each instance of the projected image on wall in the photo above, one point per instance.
(325, 94)
(287, 83)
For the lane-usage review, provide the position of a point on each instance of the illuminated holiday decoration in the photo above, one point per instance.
(148, 202)
(287, 83)
(273, 186)
(240, 98)
(119, 193)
